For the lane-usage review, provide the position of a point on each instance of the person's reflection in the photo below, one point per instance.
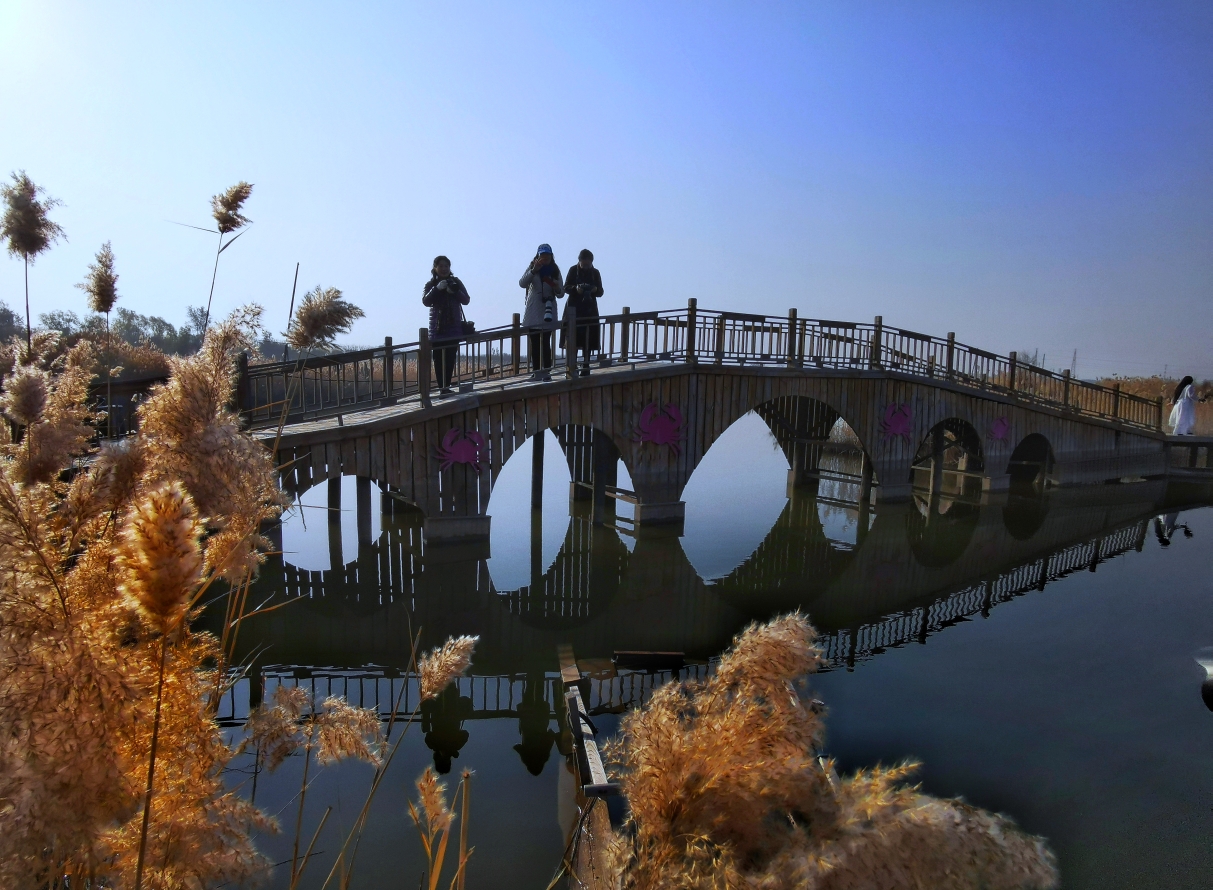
(442, 722)
(534, 725)
(1165, 525)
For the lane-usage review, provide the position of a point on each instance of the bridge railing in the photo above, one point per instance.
(324, 385)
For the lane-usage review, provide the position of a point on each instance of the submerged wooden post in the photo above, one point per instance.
(938, 450)
(604, 460)
(424, 359)
(877, 336)
(537, 470)
(692, 313)
(363, 489)
(951, 354)
(625, 332)
(336, 561)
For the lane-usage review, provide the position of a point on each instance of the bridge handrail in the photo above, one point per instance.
(334, 383)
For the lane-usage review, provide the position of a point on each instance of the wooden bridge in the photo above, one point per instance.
(925, 412)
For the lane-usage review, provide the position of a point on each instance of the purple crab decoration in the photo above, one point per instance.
(661, 426)
(898, 421)
(461, 447)
(1000, 429)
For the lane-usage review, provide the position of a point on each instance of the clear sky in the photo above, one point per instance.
(1029, 175)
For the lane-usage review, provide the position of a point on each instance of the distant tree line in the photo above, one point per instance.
(127, 325)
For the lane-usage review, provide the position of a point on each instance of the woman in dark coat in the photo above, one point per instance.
(446, 296)
(583, 284)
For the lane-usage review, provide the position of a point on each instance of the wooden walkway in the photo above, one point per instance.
(924, 412)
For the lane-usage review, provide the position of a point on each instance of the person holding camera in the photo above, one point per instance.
(583, 284)
(445, 296)
(543, 288)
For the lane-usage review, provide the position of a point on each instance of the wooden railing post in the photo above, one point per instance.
(719, 340)
(691, 318)
(793, 329)
(1116, 400)
(951, 354)
(389, 372)
(570, 341)
(625, 332)
(1014, 359)
(1065, 388)
(1158, 414)
(877, 336)
(515, 344)
(424, 359)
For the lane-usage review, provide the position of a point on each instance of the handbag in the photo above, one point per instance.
(468, 327)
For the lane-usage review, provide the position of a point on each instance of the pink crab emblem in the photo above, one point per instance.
(1000, 429)
(461, 447)
(898, 421)
(661, 426)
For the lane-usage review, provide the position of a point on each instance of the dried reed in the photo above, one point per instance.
(321, 316)
(726, 789)
(226, 209)
(434, 819)
(442, 665)
(101, 285)
(27, 227)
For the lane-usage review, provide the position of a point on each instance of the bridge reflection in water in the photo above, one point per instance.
(869, 579)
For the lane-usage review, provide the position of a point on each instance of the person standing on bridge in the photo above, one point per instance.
(583, 284)
(543, 288)
(446, 296)
(1183, 415)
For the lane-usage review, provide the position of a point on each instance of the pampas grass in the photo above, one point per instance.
(25, 396)
(321, 316)
(160, 559)
(27, 227)
(726, 789)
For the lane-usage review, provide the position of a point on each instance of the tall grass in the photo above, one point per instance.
(726, 789)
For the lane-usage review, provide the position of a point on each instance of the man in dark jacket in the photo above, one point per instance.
(446, 296)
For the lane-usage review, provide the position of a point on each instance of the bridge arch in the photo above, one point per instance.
(950, 459)
(1031, 466)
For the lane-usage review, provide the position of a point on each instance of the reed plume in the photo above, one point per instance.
(442, 665)
(27, 227)
(321, 316)
(226, 207)
(101, 284)
(726, 789)
(160, 557)
(25, 396)
(434, 819)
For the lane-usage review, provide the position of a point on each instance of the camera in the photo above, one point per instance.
(584, 289)
(443, 284)
(549, 312)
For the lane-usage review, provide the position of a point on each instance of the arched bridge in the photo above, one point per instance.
(927, 413)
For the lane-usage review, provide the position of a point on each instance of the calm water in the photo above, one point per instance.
(1037, 655)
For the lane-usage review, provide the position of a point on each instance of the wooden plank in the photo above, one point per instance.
(569, 674)
(349, 457)
(318, 469)
(484, 479)
(362, 455)
(332, 459)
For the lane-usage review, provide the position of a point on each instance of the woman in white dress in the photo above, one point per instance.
(1183, 415)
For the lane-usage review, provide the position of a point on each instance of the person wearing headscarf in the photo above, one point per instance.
(445, 296)
(543, 288)
(583, 284)
(1183, 414)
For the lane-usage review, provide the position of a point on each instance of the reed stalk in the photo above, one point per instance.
(151, 766)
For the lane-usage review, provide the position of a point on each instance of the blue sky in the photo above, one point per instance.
(1029, 175)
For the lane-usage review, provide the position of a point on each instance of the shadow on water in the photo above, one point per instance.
(871, 578)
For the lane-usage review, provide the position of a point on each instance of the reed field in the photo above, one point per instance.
(1164, 388)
